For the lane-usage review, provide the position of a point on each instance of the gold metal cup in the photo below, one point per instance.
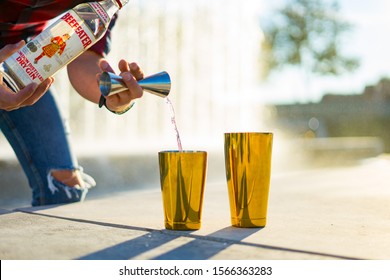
(182, 176)
(248, 171)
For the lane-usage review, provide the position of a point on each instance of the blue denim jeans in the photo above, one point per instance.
(39, 138)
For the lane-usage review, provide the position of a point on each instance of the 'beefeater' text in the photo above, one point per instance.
(84, 38)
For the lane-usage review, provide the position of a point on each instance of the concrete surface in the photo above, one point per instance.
(337, 212)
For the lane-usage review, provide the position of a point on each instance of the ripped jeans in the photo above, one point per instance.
(39, 138)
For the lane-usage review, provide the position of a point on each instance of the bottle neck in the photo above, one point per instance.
(112, 6)
(121, 3)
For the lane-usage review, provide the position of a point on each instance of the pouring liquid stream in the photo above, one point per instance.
(173, 121)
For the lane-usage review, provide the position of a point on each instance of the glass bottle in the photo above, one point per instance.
(59, 44)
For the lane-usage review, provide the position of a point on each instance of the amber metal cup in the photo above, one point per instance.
(248, 171)
(182, 176)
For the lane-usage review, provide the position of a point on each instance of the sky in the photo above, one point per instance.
(369, 41)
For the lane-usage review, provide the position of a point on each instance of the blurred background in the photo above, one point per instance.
(313, 72)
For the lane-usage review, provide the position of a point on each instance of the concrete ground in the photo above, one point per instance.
(333, 212)
(330, 209)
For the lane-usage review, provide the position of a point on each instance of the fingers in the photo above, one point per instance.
(124, 66)
(130, 72)
(8, 50)
(131, 83)
(27, 96)
(105, 66)
(136, 71)
(122, 100)
(133, 67)
(11, 101)
(39, 92)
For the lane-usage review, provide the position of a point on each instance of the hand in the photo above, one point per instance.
(131, 73)
(30, 94)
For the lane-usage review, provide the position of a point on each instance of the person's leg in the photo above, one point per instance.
(39, 138)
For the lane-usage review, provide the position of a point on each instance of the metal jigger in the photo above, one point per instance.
(158, 84)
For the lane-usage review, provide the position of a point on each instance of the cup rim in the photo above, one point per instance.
(250, 132)
(181, 152)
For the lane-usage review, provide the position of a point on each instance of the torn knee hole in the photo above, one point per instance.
(70, 178)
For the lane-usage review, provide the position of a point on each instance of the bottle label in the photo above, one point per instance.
(52, 49)
(101, 12)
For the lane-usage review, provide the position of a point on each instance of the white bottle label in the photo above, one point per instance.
(52, 49)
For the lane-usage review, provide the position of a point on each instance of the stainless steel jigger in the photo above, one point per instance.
(158, 84)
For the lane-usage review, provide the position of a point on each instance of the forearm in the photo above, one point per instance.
(82, 75)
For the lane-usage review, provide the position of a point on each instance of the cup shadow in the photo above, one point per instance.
(199, 248)
(205, 247)
(131, 248)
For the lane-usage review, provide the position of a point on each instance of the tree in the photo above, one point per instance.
(307, 34)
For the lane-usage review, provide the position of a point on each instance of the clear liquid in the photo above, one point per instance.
(173, 121)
